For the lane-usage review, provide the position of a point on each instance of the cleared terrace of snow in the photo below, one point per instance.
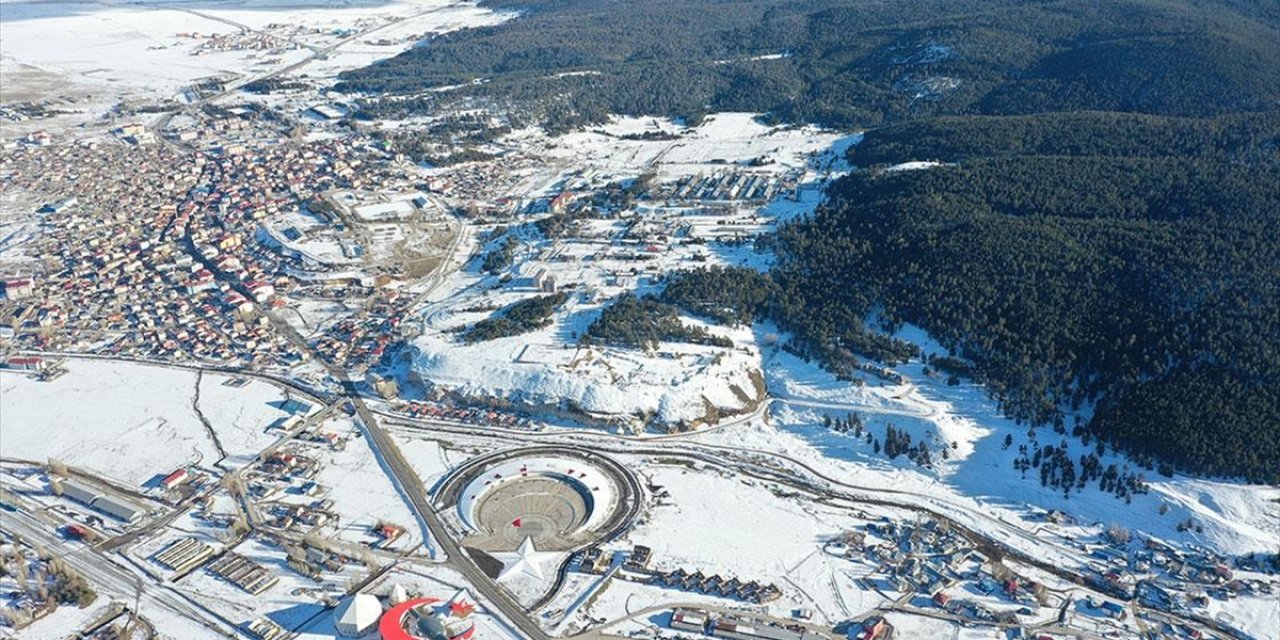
(604, 382)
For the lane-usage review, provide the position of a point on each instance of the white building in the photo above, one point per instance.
(357, 615)
(118, 508)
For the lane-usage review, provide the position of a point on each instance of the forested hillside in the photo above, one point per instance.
(846, 62)
(1105, 235)
(1102, 271)
(1123, 263)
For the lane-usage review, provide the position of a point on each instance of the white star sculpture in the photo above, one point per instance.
(526, 560)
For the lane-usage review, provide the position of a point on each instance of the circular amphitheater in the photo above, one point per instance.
(538, 507)
(560, 497)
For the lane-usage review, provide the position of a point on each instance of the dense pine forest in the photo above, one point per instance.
(1097, 272)
(1104, 233)
(846, 63)
(518, 318)
(1144, 286)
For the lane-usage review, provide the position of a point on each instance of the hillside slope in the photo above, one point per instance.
(1073, 268)
(847, 63)
(1104, 240)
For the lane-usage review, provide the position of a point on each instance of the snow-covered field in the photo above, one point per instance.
(1236, 517)
(362, 494)
(132, 422)
(55, 625)
(744, 528)
(720, 139)
(431, 460)
(86, 57)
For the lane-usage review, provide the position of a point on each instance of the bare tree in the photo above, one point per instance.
(56, 466)
(1118, 534)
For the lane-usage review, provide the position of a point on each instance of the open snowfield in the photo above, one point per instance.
(743, 528)
(431, 460)
(720, 139)
(132, 422)
(99, 54)
(55, 625)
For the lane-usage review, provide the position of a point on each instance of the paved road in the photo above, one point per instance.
(799, 475)
(411, 487)
(111, 579)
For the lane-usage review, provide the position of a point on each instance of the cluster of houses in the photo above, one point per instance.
(239, 41)
(280, 471)
(114, 270)
(147, 250)
(363, 340)
(722, 187)
(972, 610)
(738, 626)
(311, 514)
(922, 557)
(714, 585)
(483, 181)
(1173, 579)
(470, 415)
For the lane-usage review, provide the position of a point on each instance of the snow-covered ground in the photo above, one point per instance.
(362, 493)
(55, 625)
(430, 459)
(744, 528)
(87, 57)
(1236, 517)
(131, 422)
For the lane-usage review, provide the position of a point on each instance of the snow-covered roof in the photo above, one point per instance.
(358, 613)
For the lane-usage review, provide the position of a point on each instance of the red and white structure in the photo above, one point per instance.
(590, 480)
(430, 619)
